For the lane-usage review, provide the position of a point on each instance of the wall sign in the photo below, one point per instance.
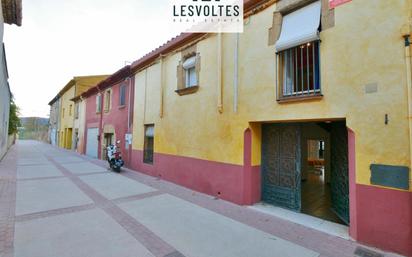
(390, 176)
(128, 139)
(335, 3)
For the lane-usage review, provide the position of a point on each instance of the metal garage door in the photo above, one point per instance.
(92, 143)
(53, 136)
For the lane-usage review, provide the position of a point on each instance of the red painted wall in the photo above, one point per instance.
(236, 183)
(92, 119)
(117, 117)
(218, 179)
(384, 218)
(251, 174)
(378, 216)
(353, 227)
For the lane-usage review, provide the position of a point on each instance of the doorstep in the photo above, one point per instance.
(325, 226)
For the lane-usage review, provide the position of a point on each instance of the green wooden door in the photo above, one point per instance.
(281, 175)
(340, 170)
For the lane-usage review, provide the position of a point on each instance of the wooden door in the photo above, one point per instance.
(339, 180)
(281, 165)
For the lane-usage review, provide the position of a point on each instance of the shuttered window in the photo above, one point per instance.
(122, 95)
(188, 72)
(298, 53)
(98, 103)
(107, 100)
(300, 27)
(189, 66)
(76, 110)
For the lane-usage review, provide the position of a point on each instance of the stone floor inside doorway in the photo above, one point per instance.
(316, 198)
(316, 209)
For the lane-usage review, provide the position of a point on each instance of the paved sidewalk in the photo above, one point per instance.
(56, 203)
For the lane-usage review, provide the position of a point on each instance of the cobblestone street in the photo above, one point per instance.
(56, 203)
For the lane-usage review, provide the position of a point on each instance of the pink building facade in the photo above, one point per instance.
(109, 115)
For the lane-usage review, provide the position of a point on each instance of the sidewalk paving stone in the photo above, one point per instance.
(114, 186)
(198, 232)
(43, 195)
(83, 167)
(90, 233)
(67, 159)
(37, 171)
(32, 161)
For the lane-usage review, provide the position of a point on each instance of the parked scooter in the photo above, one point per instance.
(114, 157)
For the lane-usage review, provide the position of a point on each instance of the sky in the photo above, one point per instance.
(60, 39)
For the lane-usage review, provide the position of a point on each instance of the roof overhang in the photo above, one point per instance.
(113, 79)
(54, 99)
(250, 7)
(76, 98)
(64, 90)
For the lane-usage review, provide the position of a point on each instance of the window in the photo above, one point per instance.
(189, 66)
(70, 110)
(148, 144)
(122, 95)
(76, 110)
(63, 113)
(98, 103)
(188, 73)
(298, 53)
(107, 100)
(299, 70)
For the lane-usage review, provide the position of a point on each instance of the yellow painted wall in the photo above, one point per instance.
(364, 46)
(74, 87)
(66, 120)
(80, 124)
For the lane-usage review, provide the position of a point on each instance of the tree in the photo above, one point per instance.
(14, 121)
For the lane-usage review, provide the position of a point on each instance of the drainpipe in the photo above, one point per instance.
(145, 94)
(236, 74)
(100, 148)
(406, 31)
(129, 100)
(83, 102)
(161, 86)
(219, 73)
(129, 81)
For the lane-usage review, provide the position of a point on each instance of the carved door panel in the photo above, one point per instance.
(281, 162)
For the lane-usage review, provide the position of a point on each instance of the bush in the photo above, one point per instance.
(14, 121)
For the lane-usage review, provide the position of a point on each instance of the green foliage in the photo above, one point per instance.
(14, 121)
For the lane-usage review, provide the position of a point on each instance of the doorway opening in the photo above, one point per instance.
(76, 139)
(305, 168)
(68, 138)
(108, 140)
(316, 188)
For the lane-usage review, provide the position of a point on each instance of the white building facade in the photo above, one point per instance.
(10, 12)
